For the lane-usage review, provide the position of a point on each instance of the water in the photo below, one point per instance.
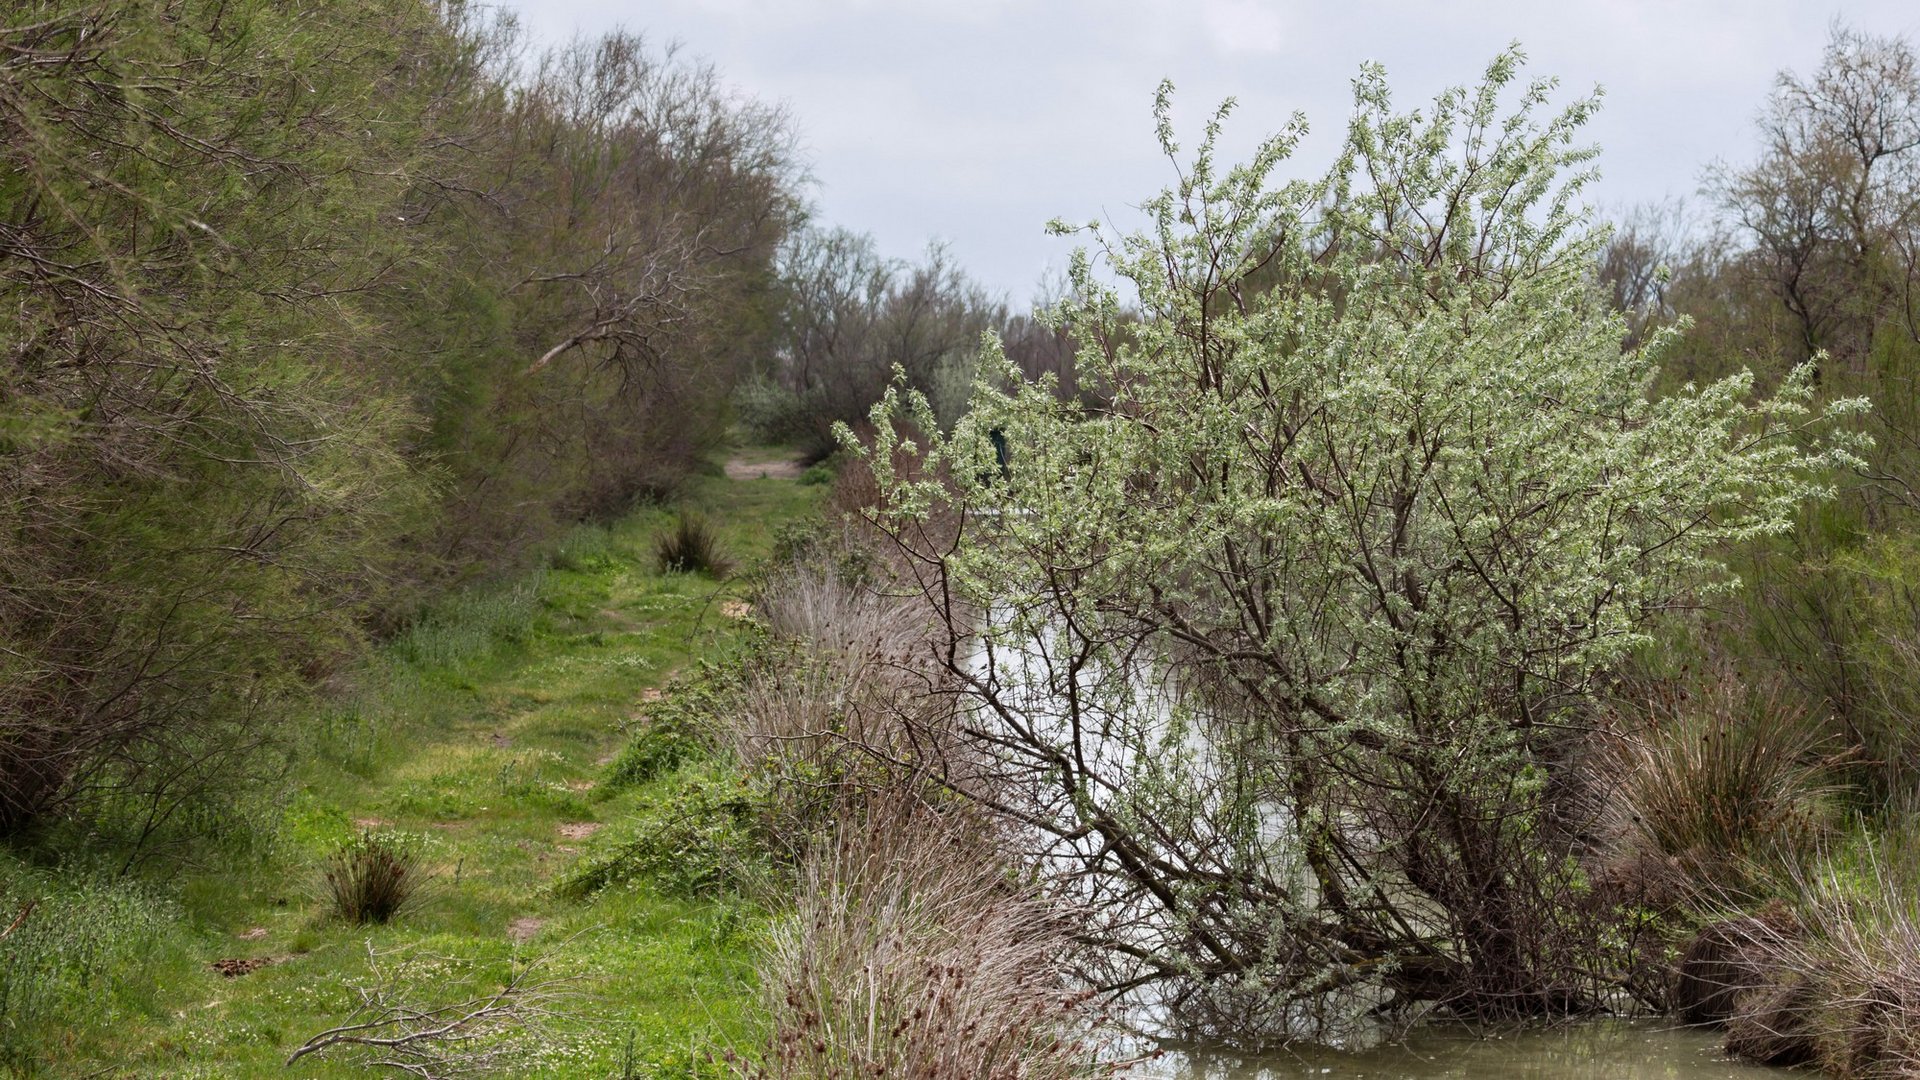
(1598, 1050)
(1593, 1050)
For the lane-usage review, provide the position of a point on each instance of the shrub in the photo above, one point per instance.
(910, 952)
(375, 878)
(1376, 467)
(692, 546)
(701, 834)
(671, 734)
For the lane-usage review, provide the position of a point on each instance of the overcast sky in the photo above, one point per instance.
(977, 121)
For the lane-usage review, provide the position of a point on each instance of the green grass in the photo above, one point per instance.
(477, 736)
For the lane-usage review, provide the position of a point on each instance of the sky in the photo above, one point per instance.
(975, 122)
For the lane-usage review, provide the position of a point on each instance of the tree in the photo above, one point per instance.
(1818, 263)
(1276, 650)
(1832, 207)
(850, 317)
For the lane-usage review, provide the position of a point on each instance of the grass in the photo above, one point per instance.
(375, 878)
(692, 546)
(482, 739)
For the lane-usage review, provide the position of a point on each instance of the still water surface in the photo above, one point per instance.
(1601, 1050)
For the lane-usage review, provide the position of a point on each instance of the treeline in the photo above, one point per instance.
(1810, 254)
(1768, 788)
(852, 319)
(313, 311)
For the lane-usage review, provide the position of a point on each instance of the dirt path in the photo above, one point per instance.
(751, 467)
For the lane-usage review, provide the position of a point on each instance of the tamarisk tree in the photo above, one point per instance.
(1274, 652)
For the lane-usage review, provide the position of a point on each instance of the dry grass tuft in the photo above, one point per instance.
(1702, 786)
(912, 952)
(692, 546)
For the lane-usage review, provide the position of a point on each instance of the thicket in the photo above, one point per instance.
(310, 311)
(1806, 256)
(851, 321)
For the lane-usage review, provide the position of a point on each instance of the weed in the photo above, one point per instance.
(692, 546)
(910, 953)
(375, 878)
(672, 733)
(74, 951)
(699, 833)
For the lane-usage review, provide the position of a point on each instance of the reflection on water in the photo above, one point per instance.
(1601, 1050)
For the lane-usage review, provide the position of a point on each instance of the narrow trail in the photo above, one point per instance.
(485, 735)
(750, 465)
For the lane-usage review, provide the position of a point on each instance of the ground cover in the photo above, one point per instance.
(481, 739)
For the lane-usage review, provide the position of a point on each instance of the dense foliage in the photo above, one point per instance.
(309, 309)
(1279, 647)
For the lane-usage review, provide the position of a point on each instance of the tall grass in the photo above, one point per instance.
(692, 546)
(1836, 983)
(911, 952)
(74, 951)
(375, 878)
(1702, 786)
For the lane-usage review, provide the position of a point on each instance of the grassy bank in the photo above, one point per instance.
(480, 739)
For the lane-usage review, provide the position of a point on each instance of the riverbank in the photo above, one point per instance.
(480, 739)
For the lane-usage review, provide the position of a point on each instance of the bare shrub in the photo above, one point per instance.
(913, 951)
(817, 602)
(375, 878)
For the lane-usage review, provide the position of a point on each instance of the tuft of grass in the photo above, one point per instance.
(911, 952)
(692, 546)
(375, 878)
(1712, 781)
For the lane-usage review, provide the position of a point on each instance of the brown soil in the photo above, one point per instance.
(524, 928)
(234, 968)
(579, 830)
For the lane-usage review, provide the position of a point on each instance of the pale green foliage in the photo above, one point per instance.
(1379, 480)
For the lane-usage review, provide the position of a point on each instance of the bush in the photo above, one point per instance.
(692, 546)
(911, 953)
(375, 878)
(671, 734)
(701, 834)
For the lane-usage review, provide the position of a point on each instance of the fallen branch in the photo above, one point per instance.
(434, 1041)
